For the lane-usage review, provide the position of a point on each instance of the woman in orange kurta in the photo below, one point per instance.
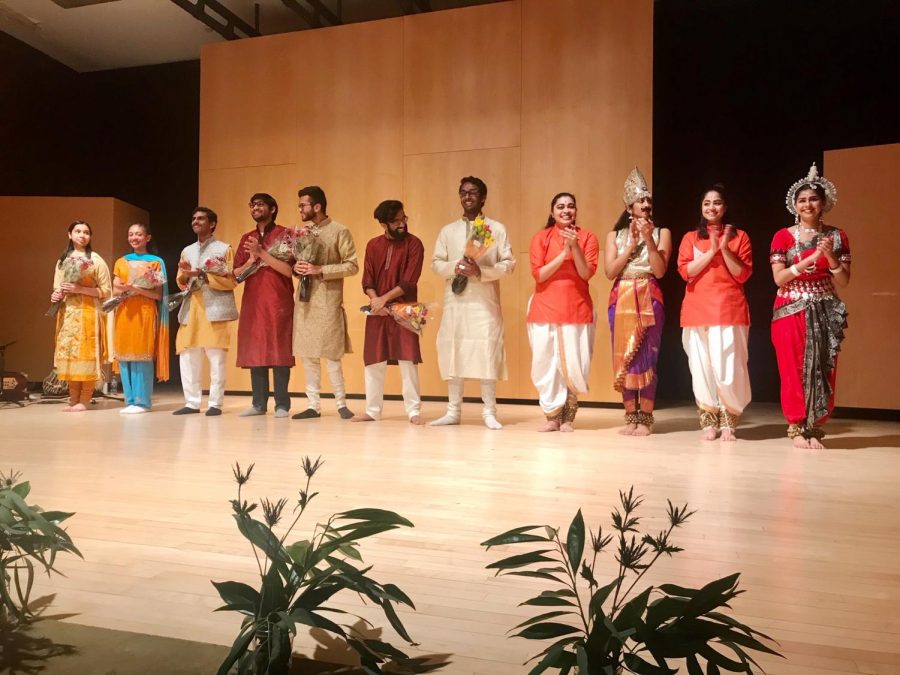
(561, 317)
(80, 282)
(141, 322)
(715, 260)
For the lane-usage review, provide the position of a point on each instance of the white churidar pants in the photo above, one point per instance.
(312, 367)
(455, 386)
(409, 377)
(560, 361)
(717, 356)
(190, 361)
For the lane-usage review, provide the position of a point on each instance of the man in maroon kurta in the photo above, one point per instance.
(391, 274)
(265, 327)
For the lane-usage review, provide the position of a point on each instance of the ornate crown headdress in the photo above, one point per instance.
(635, 187)
(812, 178)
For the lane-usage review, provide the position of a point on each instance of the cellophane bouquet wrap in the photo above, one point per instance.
(141, 275)
(74, 269)
(411, 315)
(479, 242)
(281, 249)
(305, 247)
(215, 265)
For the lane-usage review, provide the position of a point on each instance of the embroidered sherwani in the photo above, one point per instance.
(320, 325)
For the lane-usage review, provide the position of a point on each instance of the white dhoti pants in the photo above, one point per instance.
(560, 361)
(409, 377)
(190, 362)
(312, 368)
(717, 356)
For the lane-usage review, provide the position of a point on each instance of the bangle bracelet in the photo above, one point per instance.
(795, 271)
(836, 270)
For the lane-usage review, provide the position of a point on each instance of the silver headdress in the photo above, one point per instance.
(635, 187)
(812, 178)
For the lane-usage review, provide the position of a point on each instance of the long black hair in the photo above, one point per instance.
(623, 221)
(151, 245)
(703, 225)
(551, 221)
(71, 246)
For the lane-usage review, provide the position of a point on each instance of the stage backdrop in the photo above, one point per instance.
(33, 235)
(533, 96)
(868, 368)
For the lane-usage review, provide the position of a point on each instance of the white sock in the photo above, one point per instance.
(491, 422)
(446, 420)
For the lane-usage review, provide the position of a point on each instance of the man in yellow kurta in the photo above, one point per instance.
(205, 268)
(320, 323)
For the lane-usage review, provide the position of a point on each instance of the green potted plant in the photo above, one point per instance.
(297, 580)
(30, 538)
(608, 629)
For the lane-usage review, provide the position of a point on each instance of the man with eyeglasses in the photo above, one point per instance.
(470, 339)
(320, 323)
(391, 271)
(265, 328)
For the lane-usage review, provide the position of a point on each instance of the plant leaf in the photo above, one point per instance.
(375, 516)
(575, 542)
(238, 597)
(522, 560)
(515, 536)
(238, 648)
(547, 630)
(542, 617)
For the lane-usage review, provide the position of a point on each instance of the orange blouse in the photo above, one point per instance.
(565, 297)
(715, 297)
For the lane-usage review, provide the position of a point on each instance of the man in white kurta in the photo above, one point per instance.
(470, 339)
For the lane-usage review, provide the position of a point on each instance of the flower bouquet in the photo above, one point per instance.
(215, 265)
(73, 269)
(305, 248)
(478, 243)
(411, 315)
(140, 275)
(281, 249)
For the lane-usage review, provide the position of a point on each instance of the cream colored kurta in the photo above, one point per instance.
(200, 331)
(470, 339)
(320, 325)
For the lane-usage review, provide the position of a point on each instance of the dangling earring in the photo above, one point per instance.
(796, 219)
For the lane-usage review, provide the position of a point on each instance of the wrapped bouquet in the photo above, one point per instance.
(216, 265)
(305, 248)
(478, 243)
(140, 275)
(73, 269)
(411, 315)
(281, 249)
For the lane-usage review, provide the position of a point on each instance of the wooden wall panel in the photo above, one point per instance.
(867, 369)
(431, 189)
(247, 102)
(45, 219)
(462, 85)
(533, 96)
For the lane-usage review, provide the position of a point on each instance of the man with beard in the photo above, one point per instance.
(391, 272)
(320, 323)
(267, 309)
(636, 255)
(204, 270)
(470, 339)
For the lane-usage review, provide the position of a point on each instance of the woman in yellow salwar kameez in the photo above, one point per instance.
(141, 322)
(80, 281)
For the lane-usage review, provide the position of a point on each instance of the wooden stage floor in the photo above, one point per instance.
(816, 534)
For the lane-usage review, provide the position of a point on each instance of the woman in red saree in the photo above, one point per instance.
(808, 261)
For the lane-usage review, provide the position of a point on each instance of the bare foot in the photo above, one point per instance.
(68, 408)
(641, 430)
(709, 434)
(566, 427)
(728, 435)
(816, 444)
(800, 442)
(79, 407)
(628, 430)
(417, 420)
(549, 425)
(362, 418)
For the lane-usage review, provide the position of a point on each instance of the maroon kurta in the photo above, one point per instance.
(391, 263)
(266, 324)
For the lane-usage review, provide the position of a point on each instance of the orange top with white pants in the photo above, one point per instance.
(565, 297)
